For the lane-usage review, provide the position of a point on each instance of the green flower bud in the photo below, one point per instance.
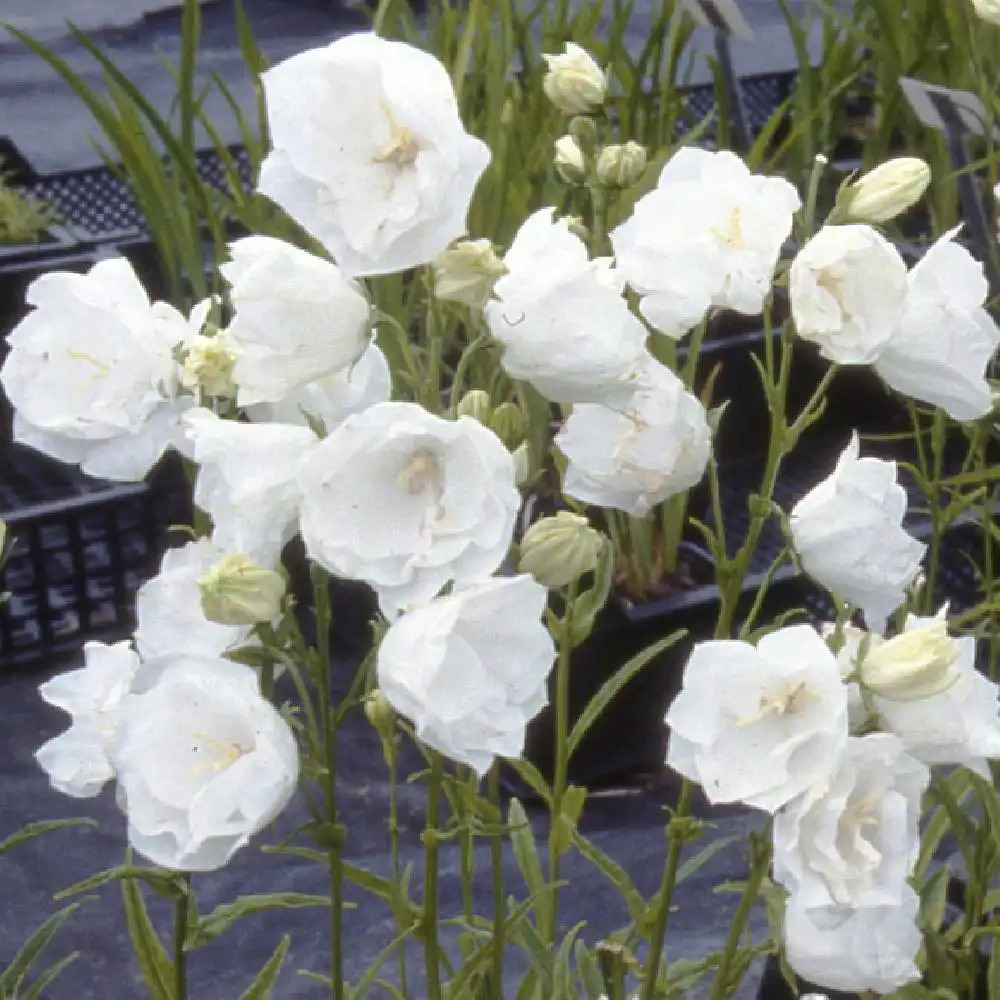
(508, 424)
(621, 166)
(883, 193)
(558, 550)
(476, 403)
(584, 130)
(208, 364)
(467, 272)
(237, 591)
(380, 714)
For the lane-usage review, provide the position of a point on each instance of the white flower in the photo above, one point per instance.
(574, 83)
(915, 664)
(370, 155)
(848, 533)
(77, 761)
(885, 192)
(710, 234)
(203, 761)
(852, 839)
(759, 725)
(847, 287)
(169, 612)
(91, 373)
(247, 481)
(470, 669)
(959, 725)
(841, 948)
(561, 317)
(945, 339)
(297, 318)
(407, 501)
(467, 272)
(635, 456)
(988, 10)
(333, 399)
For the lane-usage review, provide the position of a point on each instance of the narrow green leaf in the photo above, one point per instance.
(157, 969)
(522, 838)
(614, 873)
(264, 981)
(33, 830)
(695, 862)
(209, 927)
(610, 688)
(49, 976)
(13, 976)
(169, 884)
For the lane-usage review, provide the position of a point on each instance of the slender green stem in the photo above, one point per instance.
(467, 863)
(180, 955)
(760, 860)
(664, 897)
(391, 757)
(430, 918)
(561, 755)
(672, 516)
(496, 869)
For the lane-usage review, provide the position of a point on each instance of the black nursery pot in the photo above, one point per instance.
(627, 743)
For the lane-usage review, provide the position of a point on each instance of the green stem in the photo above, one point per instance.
(760, 862)
(672, 516)
(430, 916)
(389, 746)
(561, 756)
(664, 898)
(496, 866)
(180, 955)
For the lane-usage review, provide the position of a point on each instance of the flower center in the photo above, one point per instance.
(787, 699)
(423, 471)
(221, 756)
(103, 369)
(732, 236)
(401, 148)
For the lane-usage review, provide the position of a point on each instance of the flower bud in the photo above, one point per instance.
(621, 166)
(508, 424)
(237, 591)
(208, 364)
(558, 550)
(522, 464)
(476, 403)
(380, 714)
(913, 665)
(575, 84)
(584, 131)
(884, 192)
(467, 273)
(568, 161)
(988, 10)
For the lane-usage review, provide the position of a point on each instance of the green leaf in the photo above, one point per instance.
(570, 811)
(157, 969)
(170, 885)
(263, 982)
(615, 874)
(934, 899)
(13, 976)
(695, 862)
(522, 839)
(589, 603)
(33, 830)
(209, 927)
(49, 976)
(610, 688)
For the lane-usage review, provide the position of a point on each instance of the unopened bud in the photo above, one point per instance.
(467, 273)
(574, 83)
(560, 549)
(508, 424)
(238, 591)
(988, 10)
(621, 166)
(380, 714)
(584, 130)
(915, 664)
(569, 161)
(883, 193)
(476, 403)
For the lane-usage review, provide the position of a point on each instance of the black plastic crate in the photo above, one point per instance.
(81, 549)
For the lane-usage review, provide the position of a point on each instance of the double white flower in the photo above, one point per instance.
(407, 502)
(709, 235)
(562, 319)
(91, 372)
(369, 152)
(849, 536)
